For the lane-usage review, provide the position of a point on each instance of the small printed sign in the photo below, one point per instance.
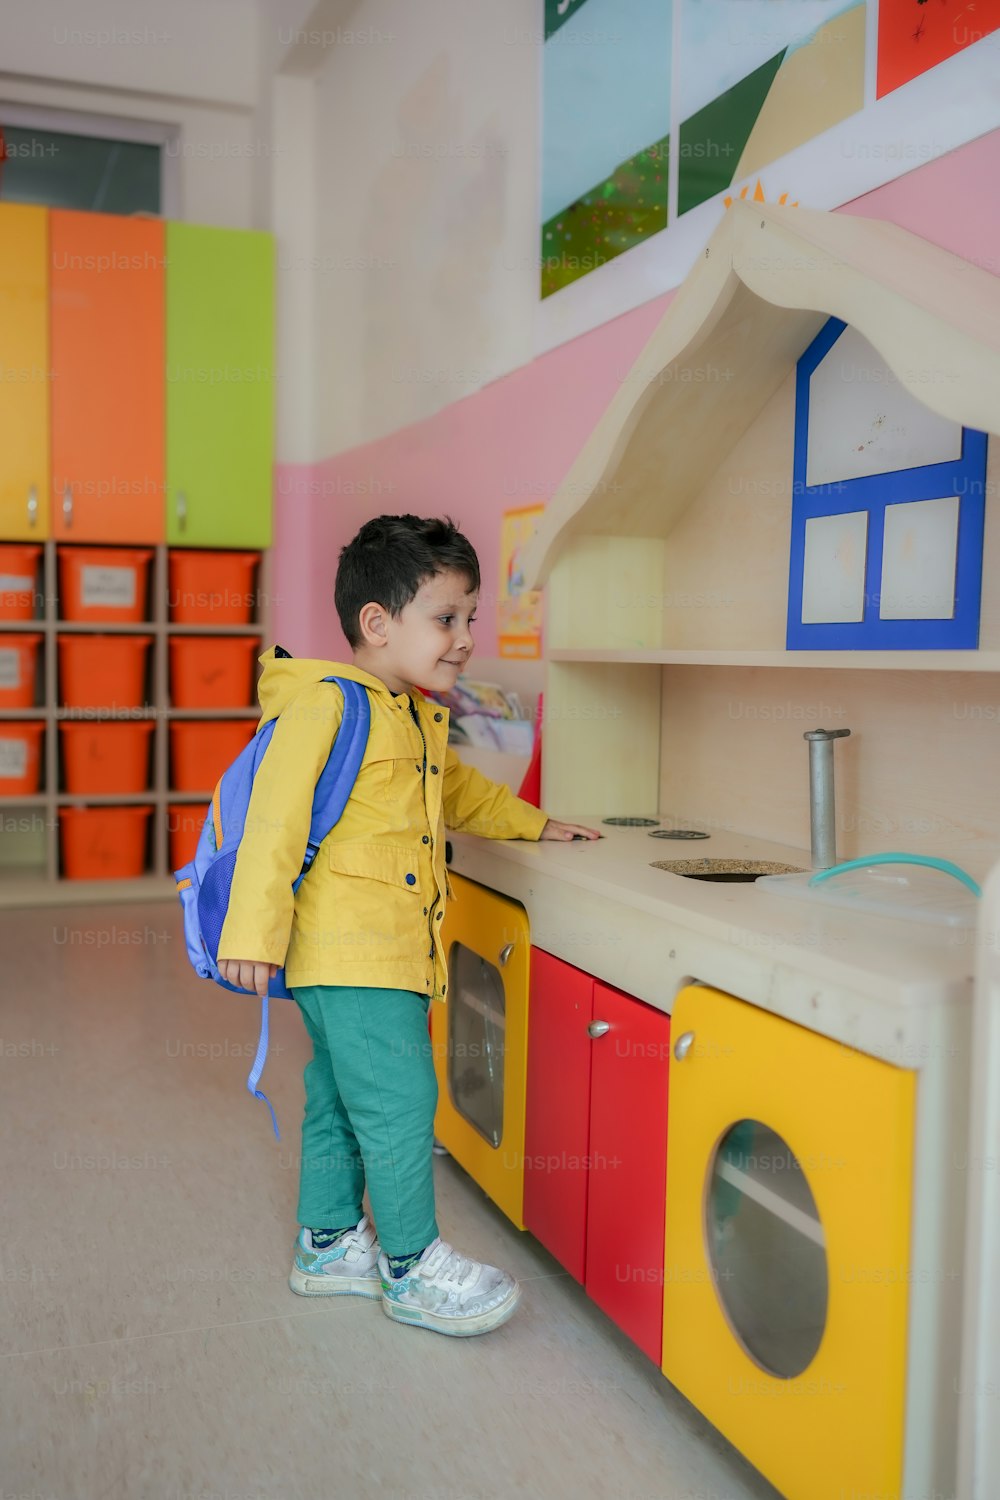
(13, 758)
(113, 586)
(15, 583)
(10, 667)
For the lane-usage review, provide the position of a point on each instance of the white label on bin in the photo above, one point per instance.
(108, 586)
(13, 757)
(16, 583)
(10, 667)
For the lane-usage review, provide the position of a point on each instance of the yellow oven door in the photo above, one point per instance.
(479, 1031)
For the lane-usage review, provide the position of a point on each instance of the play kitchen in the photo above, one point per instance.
(720, 1061)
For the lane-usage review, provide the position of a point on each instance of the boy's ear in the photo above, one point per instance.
(372, 623)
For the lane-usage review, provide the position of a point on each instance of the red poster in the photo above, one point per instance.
(914, 35)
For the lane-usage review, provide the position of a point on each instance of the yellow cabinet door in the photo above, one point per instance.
(789, 1183)
(24, 376)
(479, 1033)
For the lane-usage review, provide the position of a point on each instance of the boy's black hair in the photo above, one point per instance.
(390, 558)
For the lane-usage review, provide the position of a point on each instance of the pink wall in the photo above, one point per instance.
(511, 443)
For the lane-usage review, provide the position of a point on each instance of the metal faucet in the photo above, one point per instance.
(822, 813)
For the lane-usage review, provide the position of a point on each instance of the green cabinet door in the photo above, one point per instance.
(220, 386)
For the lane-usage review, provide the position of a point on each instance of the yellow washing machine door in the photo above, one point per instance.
(789, 1181)
(479, 1032)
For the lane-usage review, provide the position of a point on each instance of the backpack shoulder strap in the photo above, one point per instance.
(336, 781)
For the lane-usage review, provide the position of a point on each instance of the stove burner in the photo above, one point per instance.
(632, 822)
(678, 833)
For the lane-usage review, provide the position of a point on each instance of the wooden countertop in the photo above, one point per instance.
(896, 989)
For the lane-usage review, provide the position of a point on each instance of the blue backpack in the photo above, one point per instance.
(204, 885)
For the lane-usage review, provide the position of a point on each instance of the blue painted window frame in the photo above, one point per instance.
(964, 477)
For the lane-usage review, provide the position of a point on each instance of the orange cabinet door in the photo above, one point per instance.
(106, 277)
(24, 379)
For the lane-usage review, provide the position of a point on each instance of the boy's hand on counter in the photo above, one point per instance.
(556, 830)
(247, 974)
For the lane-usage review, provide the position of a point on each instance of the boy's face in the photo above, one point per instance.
(429, 642)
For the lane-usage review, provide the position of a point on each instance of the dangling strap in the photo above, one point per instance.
(258, 1066)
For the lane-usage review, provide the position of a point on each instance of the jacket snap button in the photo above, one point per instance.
(419, 771)
(444, 989)
(425, 839)
(439, 915)
(434, 770)
(438, 718)
(425, 911)
(411, 880)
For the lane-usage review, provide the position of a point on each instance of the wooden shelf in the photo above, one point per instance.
(867, 661)
(135, 627)
(211, 713)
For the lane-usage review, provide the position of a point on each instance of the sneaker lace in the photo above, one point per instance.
(445, 1264)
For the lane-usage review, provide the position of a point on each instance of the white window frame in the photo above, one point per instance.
(108, 127)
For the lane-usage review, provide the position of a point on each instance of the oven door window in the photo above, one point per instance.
(476, 1031)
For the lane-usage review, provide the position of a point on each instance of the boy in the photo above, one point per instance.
(361, 939)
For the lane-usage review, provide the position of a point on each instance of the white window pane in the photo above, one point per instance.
(862, 421)
(833, 569)
(919, 550)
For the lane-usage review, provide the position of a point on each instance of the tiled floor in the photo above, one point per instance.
(150, 1345)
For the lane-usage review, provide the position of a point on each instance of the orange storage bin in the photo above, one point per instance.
(111, 756)
(103, 843)
(209, 671)
(211, 588)
(103, 584)
(18, 580)
(201, 749)
(184, 825)
(20, 758)
(18, 655)
(103, 671)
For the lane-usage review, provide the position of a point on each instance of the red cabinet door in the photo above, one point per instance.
(557, 1109)
(630, 1065)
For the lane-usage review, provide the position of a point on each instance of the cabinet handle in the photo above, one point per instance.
(504, 954)
(32, 506)
(598, 1028)
(68, 506)
(683, 1045)
(182, 510)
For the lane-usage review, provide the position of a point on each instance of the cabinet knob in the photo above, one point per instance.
(68, 506)
(598, 1028)
(33, 506)
(683, 1044)
(504, 954)
(182, 510)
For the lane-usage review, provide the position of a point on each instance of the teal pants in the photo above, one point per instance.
(371, 1093)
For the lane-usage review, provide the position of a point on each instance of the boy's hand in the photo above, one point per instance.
(247, 974)
(555, 830)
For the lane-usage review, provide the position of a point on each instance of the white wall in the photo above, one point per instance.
(189, 64)
(426, 173)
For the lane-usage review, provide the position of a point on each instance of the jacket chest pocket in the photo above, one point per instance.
(377, 907)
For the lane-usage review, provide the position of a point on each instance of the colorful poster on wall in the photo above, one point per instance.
(658, 113)
(519, 612)
(605, 132)
(914, 35)
(760, 78)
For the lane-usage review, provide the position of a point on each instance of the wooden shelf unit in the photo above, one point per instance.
(35, 882)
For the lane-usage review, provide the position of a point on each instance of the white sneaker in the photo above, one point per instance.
(449, 1293)
(348, 1268)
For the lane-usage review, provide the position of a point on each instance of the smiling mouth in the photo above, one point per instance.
(452, 663)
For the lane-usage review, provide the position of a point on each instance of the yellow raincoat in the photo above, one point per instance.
(369, 912)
